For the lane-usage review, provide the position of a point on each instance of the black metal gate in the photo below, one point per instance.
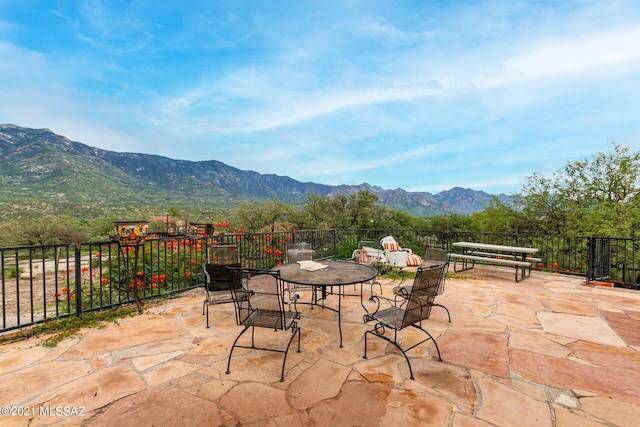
(599, 262)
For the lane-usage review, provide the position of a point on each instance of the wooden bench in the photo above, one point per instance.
(513, 256)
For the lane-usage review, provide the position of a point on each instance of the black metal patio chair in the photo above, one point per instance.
(298, 251)
(218, 282)
(409, 311)
(219, 286)
(264, 308)
(432, 257)
(294, 252)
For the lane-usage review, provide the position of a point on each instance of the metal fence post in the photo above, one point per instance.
(78, 274)
(335, 242)
(589, 259)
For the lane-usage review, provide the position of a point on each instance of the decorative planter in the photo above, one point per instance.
(131, 233)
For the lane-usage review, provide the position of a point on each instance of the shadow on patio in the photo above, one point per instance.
(548, 351)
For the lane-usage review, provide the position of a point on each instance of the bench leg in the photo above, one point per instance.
(524, 274)
(464, 266)
(464, 263)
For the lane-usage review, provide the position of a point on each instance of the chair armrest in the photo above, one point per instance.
(377, 299)
(401, 291)
(380, 297)
(294, 300)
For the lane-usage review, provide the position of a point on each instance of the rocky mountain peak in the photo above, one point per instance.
(44, 165)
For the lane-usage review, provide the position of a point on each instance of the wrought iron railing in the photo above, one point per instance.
(45, 282)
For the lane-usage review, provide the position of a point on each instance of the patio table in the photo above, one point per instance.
(336, 273)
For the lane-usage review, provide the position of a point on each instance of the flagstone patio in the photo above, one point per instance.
(547, 351)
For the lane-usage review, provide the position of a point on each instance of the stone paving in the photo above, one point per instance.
(548, 351)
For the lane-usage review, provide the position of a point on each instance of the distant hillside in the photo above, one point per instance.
(41, 171)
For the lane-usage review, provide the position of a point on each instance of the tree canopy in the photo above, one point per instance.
(597, 196)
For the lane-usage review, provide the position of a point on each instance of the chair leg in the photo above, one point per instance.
(448, 314)
(425, 340)
(380, 334)
(374, 283)
(253, 337)
(207, 307)
(436, 344)
(392, 342)
(365, 345)
(295, 331)
(233, 346)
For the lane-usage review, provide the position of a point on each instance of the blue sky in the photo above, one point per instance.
(420, 95)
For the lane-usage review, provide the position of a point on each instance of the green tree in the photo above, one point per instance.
(251, 215)
(256, 215)
(8, 231)
(356, 210)
(544, 206)
(361, 210)
(313, 213)
(174, 211)
(100, 229)
(392, 218)
(275, 212)
(50, 230)
(597, 196)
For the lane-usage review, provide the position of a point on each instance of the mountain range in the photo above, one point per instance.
(41, 171)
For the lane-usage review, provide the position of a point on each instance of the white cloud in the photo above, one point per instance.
(345, 92)
(610, 50)
(19, 64)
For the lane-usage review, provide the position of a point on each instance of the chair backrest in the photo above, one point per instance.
(223, 254)
(265, 292)
(389, 244)
(218, 277)
(422, 293)
(435, 256)
(299, 251)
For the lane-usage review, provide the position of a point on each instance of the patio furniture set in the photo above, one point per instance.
(269, 298)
